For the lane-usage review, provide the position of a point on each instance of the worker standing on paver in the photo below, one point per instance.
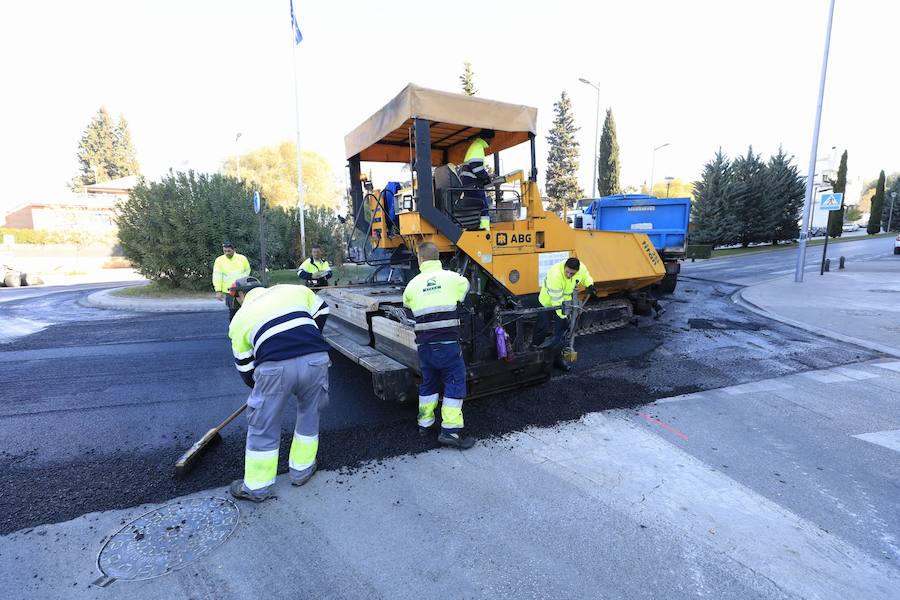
(228, 268)
(315, 270)
(279, 351)
(432, 296)
(558, 286)
(474, 175)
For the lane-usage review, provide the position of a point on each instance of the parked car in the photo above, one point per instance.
(817, 231)
(850, 227)
(897, 245)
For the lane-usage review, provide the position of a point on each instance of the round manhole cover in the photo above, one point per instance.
(168, 538)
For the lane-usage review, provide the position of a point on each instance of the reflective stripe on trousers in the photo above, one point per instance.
(304, 378)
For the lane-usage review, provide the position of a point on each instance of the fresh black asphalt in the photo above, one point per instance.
(97, 407)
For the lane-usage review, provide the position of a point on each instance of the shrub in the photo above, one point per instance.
(172, 230)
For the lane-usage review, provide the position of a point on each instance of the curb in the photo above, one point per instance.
(105, 300)
(738, 298)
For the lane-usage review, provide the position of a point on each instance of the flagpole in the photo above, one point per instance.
(300, 204)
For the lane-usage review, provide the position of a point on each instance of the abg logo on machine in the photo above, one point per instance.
(517, 238)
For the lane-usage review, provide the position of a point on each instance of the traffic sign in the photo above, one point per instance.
(256, 202)
(830, 201)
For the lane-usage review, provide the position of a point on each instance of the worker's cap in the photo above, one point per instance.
(228, 245)
(244, 284)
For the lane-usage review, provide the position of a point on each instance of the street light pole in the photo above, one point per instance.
(669, 181)
(811, 172)
(596, 136)
(891, 213)
(653, 165)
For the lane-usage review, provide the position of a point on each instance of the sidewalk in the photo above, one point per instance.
(108, 299)
(619, 504)
(859, 305)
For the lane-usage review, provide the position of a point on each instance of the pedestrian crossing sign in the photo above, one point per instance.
(830, 201)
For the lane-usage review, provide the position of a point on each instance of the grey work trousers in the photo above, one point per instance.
(306, 379)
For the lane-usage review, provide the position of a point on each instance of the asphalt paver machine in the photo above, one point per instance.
(430, 131)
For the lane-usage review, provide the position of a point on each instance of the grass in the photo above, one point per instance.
(345, 273)
(817, 242)
(154, 290)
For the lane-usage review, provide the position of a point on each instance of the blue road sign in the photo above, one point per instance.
(256, 202)
(830, 201)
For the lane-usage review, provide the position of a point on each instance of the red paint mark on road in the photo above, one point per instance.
(668, 428)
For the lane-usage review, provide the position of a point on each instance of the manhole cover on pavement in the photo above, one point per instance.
(168, 538)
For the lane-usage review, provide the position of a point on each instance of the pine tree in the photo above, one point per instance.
(125, 158)
(783, 197)
(839, 185)
(709, 200)
(608, 168)
(562, 160)
(744, 200)
(105, 152)
(875, 216)
(467, 80)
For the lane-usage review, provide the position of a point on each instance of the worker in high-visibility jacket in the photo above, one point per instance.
(432, 297)
(558, 286)
(474, 174)
(276, 338)
(228, 268)
(315, 270)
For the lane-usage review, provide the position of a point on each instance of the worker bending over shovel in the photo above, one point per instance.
(279, 351)
(558, 287)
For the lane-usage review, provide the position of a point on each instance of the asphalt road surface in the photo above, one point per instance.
(97, 405)
(748, 269)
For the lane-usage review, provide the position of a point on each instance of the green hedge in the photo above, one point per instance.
(172, 230)
(34, 236)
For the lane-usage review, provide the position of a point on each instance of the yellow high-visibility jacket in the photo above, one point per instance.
(557, 288)
(226, 270)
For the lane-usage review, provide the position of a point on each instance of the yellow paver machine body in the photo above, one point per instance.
(430, 131)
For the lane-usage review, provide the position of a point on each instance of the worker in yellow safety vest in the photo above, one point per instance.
(228, 268)
(558, 286)
(474, 175)
(276, 338)
(432, 297)
(315, 271)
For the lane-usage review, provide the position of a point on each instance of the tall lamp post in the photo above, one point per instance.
(596, 136)
(669, 181)
(653, 165)
(891, 213)
(811, 171)
(236, 138)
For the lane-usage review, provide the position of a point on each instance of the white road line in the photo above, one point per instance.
(855, 373)
(893, 366)
(766, 385)
(826, 376)
(889, 439)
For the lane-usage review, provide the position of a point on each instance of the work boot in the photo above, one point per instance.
(560, 363)
(238, 491)
(456, 438)
(304, 475)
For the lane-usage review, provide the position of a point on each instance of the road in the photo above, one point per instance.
(751, 268)
(99, 404)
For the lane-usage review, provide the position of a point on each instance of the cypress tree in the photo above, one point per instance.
(839, 185)
(562, 160)
(875, 216)
(891, 221)
(608, 167)
(709, 200)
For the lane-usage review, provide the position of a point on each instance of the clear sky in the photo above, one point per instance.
(189, 75)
